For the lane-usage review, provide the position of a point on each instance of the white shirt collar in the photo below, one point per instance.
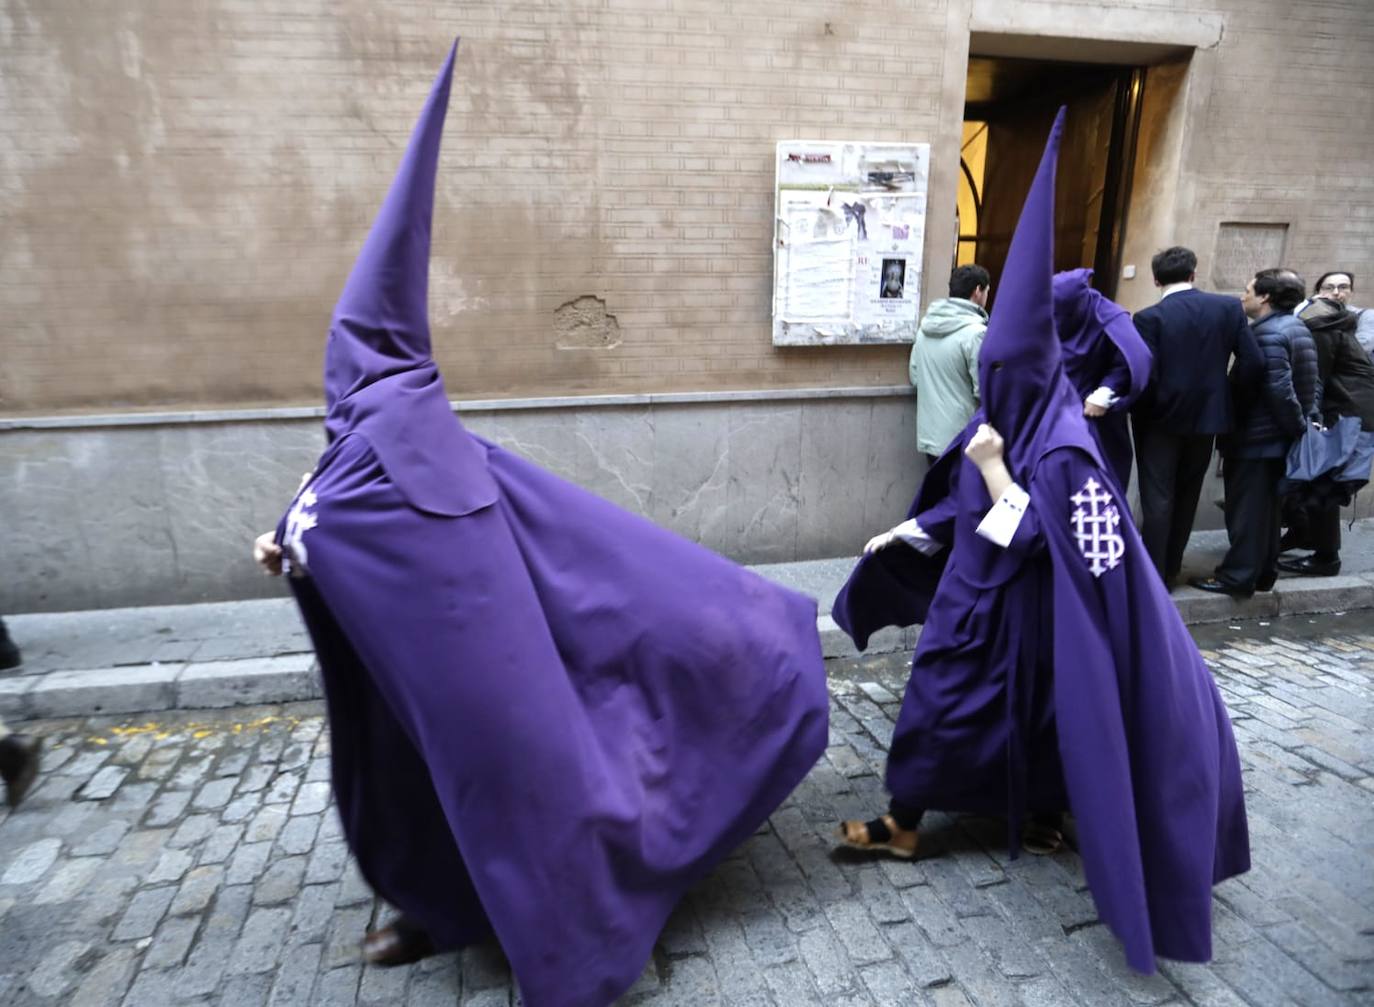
(1174, 288)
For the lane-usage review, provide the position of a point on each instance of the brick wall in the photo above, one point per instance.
(184, 186)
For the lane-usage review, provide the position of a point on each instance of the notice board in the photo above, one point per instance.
(849, 227)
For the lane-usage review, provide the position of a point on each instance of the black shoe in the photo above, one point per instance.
(1267, 583)
(1215, 586)
(19, 757)
(1310, 566)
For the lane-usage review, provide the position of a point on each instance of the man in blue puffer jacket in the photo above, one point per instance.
(1271, 413)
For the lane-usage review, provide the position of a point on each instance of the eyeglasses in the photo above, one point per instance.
(1333, 288)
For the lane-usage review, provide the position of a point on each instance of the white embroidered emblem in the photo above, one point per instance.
(298, 522)
(1095, 525)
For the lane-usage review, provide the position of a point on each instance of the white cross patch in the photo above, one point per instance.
(1095, 527)
(298, 522)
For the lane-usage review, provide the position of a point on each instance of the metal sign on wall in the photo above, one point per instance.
(848, 230)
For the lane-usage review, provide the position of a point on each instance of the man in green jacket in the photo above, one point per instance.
(944, 360)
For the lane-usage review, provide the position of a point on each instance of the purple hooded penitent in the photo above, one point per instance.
(1101, 348)
(548, 717)
(1055, 673)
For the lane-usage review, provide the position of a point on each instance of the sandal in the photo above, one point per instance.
(880, 834)
(1041, 839)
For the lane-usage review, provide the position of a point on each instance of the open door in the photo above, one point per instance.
(1011, 105)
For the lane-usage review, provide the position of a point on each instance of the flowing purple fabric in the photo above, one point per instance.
(548, 717)
(1101, 346)
(1056, 673)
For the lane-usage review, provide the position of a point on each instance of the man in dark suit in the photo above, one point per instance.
(1193, 336)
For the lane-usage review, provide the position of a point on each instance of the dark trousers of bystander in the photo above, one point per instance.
(1172, 468)
(1252, 523)
(1318, 529)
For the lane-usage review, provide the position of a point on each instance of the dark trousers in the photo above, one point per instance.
(930, 460)
(1252, 522)
(1315, 528)
(1172, 469)
(905, 815)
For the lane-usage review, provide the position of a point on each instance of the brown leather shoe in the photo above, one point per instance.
(398, 943)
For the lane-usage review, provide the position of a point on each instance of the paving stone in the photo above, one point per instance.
(103, 784)
(167, 808)
(101, 842)
(171, 866)
(311, 799)
(247, 989)
(213, 795)
(298, 836)
(346, 930)
(296, 978)
(220, 844)
(191, 831)
(327, 862)
(210, 955)
(312, 913)
(256, 778)
(248, 863)
(281, 883)
(260, 942)
(32, 862)
(283, 789)
(825, 959)
(144, 913)
(381, 987)
(68, 881)
(108, 981)
(171, 943)
(265, 824)
(197, 890)
(55, 974)
(241, 808)
(436, 983)
(354, 888)
(338, 987)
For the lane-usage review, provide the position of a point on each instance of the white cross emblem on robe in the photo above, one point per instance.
(298, 522)
(1096, 524)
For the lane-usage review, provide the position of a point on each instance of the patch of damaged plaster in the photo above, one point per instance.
(585, 324)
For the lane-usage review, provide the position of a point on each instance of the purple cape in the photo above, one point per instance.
(1056, 672)
(1101, 347)
(548, 717)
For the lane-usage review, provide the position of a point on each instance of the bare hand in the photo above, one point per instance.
(267, 554)
(879, 541)
(1092, 410)
(985, 447)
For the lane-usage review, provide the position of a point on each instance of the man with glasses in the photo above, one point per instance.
(1339, 285)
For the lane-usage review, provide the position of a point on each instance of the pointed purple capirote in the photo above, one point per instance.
(548, 717)
(1054, 672)
(1020, 365)
(380, 379)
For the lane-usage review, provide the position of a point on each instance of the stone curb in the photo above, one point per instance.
(288, 678)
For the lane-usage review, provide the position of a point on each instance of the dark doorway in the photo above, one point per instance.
(1009, 106)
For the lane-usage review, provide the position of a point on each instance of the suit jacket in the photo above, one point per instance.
(1193, 336)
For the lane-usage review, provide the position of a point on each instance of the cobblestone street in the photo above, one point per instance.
(195, 858)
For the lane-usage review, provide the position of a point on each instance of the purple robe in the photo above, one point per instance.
(1056, 672)
(1101, 347)
(548, 717)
